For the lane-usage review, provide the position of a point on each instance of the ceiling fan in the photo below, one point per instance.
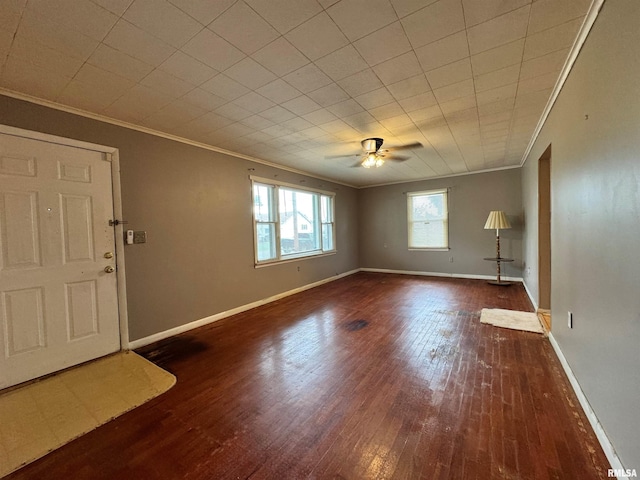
(374, 156)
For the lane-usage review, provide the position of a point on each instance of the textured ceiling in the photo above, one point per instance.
(294, 81)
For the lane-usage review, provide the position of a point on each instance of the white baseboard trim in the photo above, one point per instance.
(440, 274)
(141, 342)
(533, 300)
(605, 443)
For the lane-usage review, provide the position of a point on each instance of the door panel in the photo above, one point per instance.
(17, 165)
(24, 320)
(21, 247)
(77, 230)
(59, 306)
(82, 309)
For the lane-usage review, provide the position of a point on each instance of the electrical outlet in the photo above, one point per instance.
(570, 319)
(450, 259)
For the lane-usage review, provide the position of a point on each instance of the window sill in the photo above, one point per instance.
(293, 259)
(426, 249)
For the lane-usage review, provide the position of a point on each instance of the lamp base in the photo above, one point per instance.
(499, 282)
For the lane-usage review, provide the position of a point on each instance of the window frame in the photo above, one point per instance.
(445, 219)
(275, 187)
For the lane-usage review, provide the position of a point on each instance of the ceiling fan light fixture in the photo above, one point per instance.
(369, 161)
(372, 160)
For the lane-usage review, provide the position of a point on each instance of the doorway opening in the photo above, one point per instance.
(544, 237)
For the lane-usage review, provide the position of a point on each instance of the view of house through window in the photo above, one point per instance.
(428, 220)
(291, 223)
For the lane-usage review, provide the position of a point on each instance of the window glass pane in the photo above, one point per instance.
(427, 207)
(266, 241)
(428, 220)
(298, 222)
(327, 236)
(291, 223)
(263, 203)
(428, 235)
(327, 211)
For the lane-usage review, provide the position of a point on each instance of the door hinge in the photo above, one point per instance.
(113, 223)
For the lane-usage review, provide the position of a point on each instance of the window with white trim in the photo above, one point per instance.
(290, 222)
(428, 220)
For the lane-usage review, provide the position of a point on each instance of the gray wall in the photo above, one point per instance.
(195, 205)
(595, 226)
(382, 216)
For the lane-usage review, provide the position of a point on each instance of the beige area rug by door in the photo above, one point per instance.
(44, 415)
(512, 319)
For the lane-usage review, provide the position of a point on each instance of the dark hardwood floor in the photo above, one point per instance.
(372, 376)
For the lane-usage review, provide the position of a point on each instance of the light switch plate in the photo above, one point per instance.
(140, 236)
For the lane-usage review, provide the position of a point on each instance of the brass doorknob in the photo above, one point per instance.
(108, 255)
(109, 269)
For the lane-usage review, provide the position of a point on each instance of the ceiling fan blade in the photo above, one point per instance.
(397, 158)
(342, 156)
(407, 146)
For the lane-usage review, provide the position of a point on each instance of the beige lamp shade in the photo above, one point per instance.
(497, 221)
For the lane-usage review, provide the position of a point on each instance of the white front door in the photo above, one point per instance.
(58, 304)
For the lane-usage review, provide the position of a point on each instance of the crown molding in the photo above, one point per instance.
(439, 177)
(131, 126)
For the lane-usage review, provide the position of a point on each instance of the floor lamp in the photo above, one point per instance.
(498, 221)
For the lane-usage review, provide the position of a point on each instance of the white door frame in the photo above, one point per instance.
(111, 155)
